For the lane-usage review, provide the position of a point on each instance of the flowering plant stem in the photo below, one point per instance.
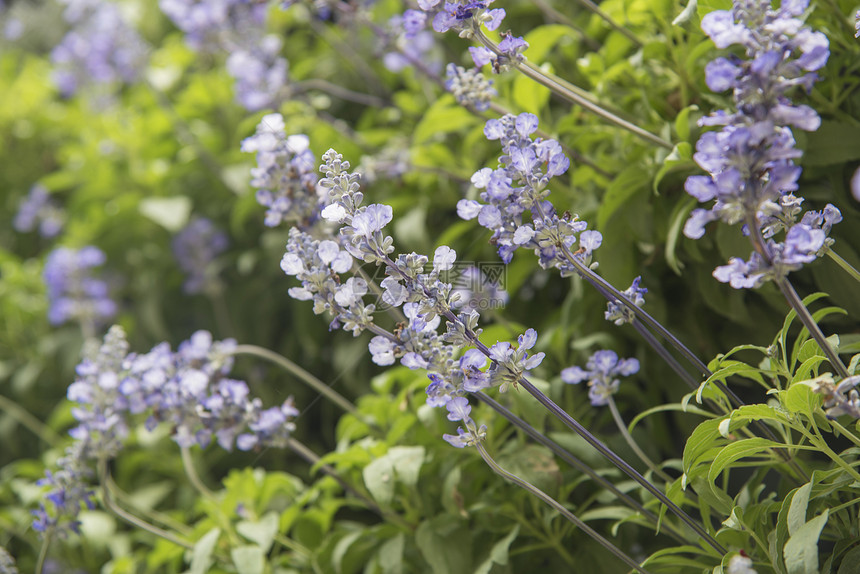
(847, 267)
(300, 373)
(535, 491)
(793, 298)
(28, 421)
(313, 459)
(569, 421)
(193, 477)
(109, 503)
(576, 463)
(572, 93)
(619, 422)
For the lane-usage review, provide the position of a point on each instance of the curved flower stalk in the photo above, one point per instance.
(189, 388)
(285, 176)
(751, 158)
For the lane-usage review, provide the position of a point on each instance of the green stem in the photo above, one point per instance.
(28, 421)
(619, 422)
(43, 553)
(792, 297)
(572, 94)
(538, 493)
(312, 458)
(298, 372)
(120, 495)
(847, 267)
(193, 477)
(130, 518)
(339, 92)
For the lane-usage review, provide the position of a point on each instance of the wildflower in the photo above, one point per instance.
(618, 312)
(601, 372)
(750, 160)
(459, 410)
(195, 249)
(39, 211)
(470, 87)
(101, 48)
(520, 185)
(260, 74)
(237, 27)
(841, 399)
(75, 292)
(409, 43)
(284, 177)
(190, 389)
(7, 563)
(510, 49)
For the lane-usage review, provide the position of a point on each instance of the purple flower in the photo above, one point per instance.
(100, 48)
(285, 175)
(470, 87)
(75, 292)
(601, 372)
(372, 219)
(39, 211)
(195, 249)
(618, 312)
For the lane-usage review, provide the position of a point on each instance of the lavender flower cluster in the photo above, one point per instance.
(751, 158)
(189, 388)
(520, 185)
(619, 313)
(101, 48)
(195, 249)
(75, 292)
(237, 27)
(412, 43)
(601, 371)
(39, 212)
(422, 296)
(285, 176)
(469, 87)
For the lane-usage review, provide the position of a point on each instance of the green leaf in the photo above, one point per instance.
(543, 38)
(797, 510)
(379, 479)
(444, 116)
(686, 15)
(248, 559)
(681, 157)
(407, 461)
(529, 95)
(201, 555)
(262, 532)
(832, 143)
(623, 187)
(169, 212)
(850, 562)
(342, 547)
(707, 6)
(499, 552)
(391, 555)
(801, 550)
(800, 398)
(445, 544)
(738, 450)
